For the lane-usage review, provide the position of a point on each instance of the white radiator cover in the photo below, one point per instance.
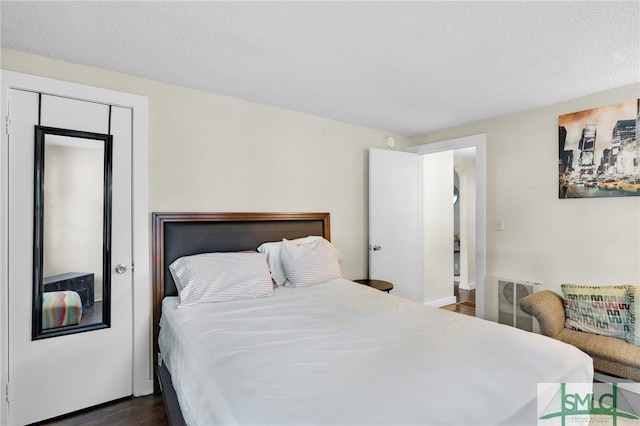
(510, 291)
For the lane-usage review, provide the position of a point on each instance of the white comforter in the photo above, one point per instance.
(341, 353)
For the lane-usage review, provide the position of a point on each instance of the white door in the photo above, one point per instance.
(56, 375)
(393, 221)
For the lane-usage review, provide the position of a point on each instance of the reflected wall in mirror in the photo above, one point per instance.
(72, 232)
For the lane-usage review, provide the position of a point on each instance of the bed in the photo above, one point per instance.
(335, 353)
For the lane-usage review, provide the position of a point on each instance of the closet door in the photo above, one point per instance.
(70, 232)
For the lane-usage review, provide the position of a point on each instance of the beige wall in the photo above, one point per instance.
(585, 241)
(214, 153)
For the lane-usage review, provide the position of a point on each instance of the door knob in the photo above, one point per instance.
(121, 268)
(376, 248)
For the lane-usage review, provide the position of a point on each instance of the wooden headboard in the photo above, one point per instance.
(183, 234)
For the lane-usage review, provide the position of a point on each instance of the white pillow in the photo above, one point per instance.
(272, 251)
(311, 263)
(219, 277)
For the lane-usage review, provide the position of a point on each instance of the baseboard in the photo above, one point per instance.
(441, 302)
(468, 286)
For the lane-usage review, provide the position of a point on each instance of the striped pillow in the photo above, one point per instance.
(600, 310)
(272, 251)
(312, 263)
(219, 277)
(634, 310)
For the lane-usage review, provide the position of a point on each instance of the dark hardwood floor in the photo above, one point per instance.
(465, 302)
(92, 315)
(144, 410)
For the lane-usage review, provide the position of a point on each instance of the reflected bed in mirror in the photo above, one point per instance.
(72, 231)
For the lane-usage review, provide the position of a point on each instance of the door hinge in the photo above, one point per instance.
(6, 392)
(7, 125)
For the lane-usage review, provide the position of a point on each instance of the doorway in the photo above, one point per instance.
(472, 240)
(26, 355)
(463, 231)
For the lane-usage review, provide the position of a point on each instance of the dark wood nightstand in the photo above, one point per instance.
(378, 284)
(80, 282)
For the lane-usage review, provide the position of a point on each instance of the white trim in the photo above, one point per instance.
(4, 256)
(142, 315)
(470, 286)
(447, 145)
(142, 369)
(442, 302)
(479, 142)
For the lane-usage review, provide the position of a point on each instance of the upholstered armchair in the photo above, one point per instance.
(610, 355)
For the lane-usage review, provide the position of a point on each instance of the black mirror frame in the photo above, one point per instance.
(38, 227)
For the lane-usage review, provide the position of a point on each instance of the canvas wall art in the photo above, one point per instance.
(599, 152)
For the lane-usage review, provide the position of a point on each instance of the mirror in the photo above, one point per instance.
(72, 232)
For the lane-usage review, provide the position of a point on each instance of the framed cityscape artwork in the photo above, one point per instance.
(599, 152)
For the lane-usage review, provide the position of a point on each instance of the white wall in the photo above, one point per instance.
(466, 168)
(214, 153)
(586, 241)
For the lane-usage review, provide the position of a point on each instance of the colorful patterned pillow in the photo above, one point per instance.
(634, 310)
(600, 310)
(60, 308)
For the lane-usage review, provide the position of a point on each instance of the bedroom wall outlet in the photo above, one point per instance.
(500, 225)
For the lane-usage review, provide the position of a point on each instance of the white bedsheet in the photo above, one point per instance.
(341, 353)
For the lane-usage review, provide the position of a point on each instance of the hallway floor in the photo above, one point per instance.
(465, 301)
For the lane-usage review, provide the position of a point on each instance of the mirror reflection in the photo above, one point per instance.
(72, 231)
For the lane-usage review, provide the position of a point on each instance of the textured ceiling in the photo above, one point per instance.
(401, 67)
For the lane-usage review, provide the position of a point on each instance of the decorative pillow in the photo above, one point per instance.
(600, 310)
(310, 263)
(272, 251)
(634, 310)
(219, 277)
